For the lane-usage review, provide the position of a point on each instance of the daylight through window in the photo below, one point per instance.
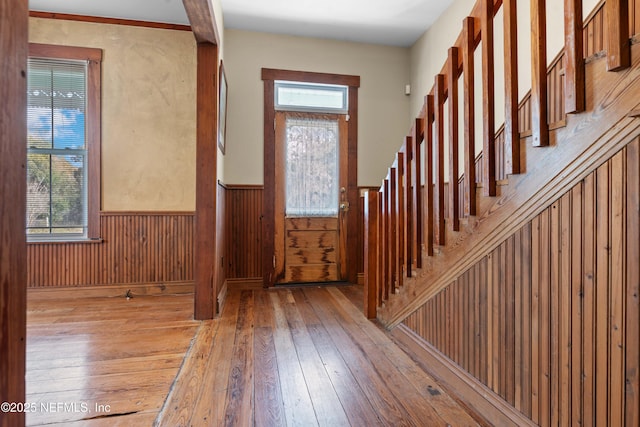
(56, 148)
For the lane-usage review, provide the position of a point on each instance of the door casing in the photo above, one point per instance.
(269, 76)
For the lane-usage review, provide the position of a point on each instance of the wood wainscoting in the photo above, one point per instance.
(549, 320)
(136, 248)
(243, 232)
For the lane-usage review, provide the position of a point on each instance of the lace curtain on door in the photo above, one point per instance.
(312, 178)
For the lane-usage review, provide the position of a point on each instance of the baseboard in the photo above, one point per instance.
(245, 283)
(106, 291)
(476, 396)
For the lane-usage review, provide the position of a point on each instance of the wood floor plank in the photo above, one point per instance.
(443, 405)
(178, 406)
(239, 405)
(269, 405)
(355, 404)
(326, 403)
(210, 404)
(363, 365)
(297, 402)
(104, 351)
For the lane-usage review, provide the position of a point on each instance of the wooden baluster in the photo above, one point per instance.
(393, 230)
(408, 203)
(418, 216)
(511, 128)
(382, 246)
(453, 72)
(386, 284)
(488, 103)
(401, 218)
(428, 170)
(539, 123)
(469, 117)
(616, 15)
(439, 154)
(371, 240)
(574, 80)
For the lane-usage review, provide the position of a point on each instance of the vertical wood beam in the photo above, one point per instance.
(205, 269)
(439, 166)
(454, 192)
(269, 196)
(616, 15)
(371, 254)
(401, 218)
(386, 237)
(353, 193)
(418, 211)
(382, 246)
(488, 103)
(539, 123)
(468, 61)
(13, 191)
(511, 128)
(574, 80)
(410, 221)
(428, 179)
(393, 230)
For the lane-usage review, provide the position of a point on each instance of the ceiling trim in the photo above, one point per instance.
(113, 21)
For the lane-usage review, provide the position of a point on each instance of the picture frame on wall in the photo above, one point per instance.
(222, 108)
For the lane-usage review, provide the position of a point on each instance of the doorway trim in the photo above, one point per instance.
(269, 76)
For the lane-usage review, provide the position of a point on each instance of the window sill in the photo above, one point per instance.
(64, 241)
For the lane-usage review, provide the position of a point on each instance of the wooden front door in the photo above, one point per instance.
(311, 203)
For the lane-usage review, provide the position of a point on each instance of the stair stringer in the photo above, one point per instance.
(609, 123)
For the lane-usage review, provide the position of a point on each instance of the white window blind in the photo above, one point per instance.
(56, 149)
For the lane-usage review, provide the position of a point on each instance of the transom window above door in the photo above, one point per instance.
(311, 97)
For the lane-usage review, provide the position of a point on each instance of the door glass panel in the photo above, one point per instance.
(312, 177)
(293, 96)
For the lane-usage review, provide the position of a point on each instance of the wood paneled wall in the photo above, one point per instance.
(221, 242)
(244, 231)
(550, 319)
(136, 247)
(243, 252)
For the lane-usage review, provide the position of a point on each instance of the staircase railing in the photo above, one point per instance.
(415, 216)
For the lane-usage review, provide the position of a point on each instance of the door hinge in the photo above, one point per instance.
(274, 261)
(274, 124)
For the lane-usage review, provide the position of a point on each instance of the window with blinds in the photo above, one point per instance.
(56, 149)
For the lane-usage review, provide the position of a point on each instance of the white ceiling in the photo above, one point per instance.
(390, 22)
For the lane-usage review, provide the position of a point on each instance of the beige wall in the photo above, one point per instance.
(382, 105)
(148, 110)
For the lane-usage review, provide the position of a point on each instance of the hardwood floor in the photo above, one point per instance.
(289, 356)
(92, 360)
